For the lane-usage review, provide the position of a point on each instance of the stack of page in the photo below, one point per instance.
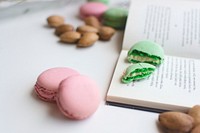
(175, 85)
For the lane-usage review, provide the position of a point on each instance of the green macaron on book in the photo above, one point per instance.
(158, 68)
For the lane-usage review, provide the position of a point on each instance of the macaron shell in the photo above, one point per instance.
(148, 47)
(116, 14)
(102, 1)
(134, 67)
(48, 82)
(115, 17)
(95, 9)
(115, 24)
(45, 94)
(78, 97)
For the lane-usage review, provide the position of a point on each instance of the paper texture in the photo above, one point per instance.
(173, 24)
(175, 83)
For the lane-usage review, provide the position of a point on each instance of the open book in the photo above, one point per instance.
(175, 85)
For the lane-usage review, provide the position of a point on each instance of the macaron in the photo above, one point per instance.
(102, 1)
(115, 17)
(48, 82)
(78, 97)
(146, 51)
(137, 71)
(95, 9)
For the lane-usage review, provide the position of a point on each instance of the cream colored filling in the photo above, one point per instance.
(135, 74)
(142, 59)
(138, 73)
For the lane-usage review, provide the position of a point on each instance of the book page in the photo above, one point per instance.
(173, 24)
(174, 83)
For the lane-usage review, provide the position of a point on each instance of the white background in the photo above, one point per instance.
(28, 47)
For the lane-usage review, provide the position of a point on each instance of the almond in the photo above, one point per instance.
(55, 20)
(63, 28)
(176, 121)
(196, 129)
(70, 37)
(105, 33)
(86, 28)
(195, 113)
(88, 39)
(92, 21)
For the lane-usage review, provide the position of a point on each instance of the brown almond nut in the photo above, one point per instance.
(196, 129)
(92, 21)
(63, 28)
(70, 37)
(105, 33)
(176, 121)
(172, 131)
(195, 113)
(87, 39)
(86, 28)
(55, 20)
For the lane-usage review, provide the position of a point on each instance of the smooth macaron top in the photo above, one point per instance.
(51, 78)
(148, 47)
(78, 97)
(150, 52)
(116, 14)
(92, 9)
(115, 17)
(102, 1)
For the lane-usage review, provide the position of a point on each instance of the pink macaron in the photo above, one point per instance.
(95, 9)
(48, 82)
(78, 97)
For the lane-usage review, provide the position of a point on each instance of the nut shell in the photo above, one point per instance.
(195, 113)
(87, 39)
(55, 20)
(86, 28)
(196, 129)
(70, 37)
(63, 28)
(176, 121)
(105, 33)
(92, 21)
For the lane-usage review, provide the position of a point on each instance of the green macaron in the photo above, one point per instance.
(146, 51)
(137, 71)
(115, 17)
(102, 1)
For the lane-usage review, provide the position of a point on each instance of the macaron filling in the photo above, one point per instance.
(137, 72)
(146, 52)
(43, 93)
(136, 56)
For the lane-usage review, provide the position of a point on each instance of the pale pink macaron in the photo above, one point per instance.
(95, 9)
(48, 82)
(78, 97)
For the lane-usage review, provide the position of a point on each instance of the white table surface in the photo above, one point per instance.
(28, 47)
